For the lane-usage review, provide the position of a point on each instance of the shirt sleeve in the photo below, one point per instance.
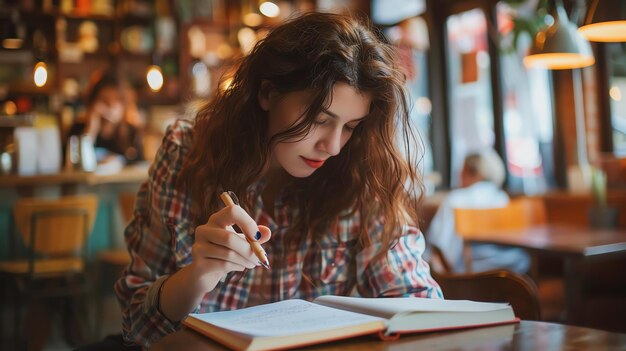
(402, 272)
(151, 242)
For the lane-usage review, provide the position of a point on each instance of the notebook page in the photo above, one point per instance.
(388, 307)
(283, 318)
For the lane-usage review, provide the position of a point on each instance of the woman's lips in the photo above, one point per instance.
(313, 163)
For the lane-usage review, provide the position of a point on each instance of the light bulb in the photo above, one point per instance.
(40, 76)
(154, 78)
(615, 93)
(269, 9)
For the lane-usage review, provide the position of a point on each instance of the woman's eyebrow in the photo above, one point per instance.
(335, 116)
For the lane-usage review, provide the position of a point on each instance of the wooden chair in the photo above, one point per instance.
(518, 214)
(55, 234)
(438, 262)
(493, 286)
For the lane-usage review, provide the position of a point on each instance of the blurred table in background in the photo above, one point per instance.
(576, 246)
(72, 181)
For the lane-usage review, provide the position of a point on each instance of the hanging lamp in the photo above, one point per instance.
(605, 21)
(560, 46)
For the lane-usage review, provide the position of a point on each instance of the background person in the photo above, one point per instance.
(482, 176)
(112, 118)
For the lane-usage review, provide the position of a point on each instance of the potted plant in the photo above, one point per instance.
(529, 17)
(601, 215)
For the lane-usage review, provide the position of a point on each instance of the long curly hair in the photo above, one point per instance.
(371, 175)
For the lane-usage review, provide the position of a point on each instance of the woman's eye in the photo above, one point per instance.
(351, 127)
(320, 121)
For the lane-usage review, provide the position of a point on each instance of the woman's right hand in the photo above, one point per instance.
(218, 249)
(111, 112)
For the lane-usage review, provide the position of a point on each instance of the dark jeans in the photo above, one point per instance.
(110, 343)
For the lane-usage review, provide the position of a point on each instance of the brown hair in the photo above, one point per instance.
(370, 175)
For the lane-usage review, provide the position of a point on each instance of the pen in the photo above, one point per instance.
(254, 245)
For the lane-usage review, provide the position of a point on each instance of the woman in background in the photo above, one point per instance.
(112, 118)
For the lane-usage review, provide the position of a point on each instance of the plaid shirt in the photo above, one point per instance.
(160, 237)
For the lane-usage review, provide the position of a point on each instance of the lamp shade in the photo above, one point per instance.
(605, 21)
(560, 46)
(9, 33)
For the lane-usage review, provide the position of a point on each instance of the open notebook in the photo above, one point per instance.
(292, 323)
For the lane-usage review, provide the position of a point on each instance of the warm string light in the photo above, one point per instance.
(154, 76)
(252, 19)
(10, 108)
(269, 9)
(615, 93)
(40, 74)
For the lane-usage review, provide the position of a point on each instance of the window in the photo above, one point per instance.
(471, 112)
(410, 37)
(617, 93)
(527, 111)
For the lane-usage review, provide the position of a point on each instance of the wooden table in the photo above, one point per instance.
(69, 180)
(574, 245)
(527, 335)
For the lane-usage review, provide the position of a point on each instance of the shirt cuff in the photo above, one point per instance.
(152, 303)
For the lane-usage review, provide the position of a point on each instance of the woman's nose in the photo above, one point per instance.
(331, 142)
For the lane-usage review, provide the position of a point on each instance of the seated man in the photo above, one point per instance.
(481, 178)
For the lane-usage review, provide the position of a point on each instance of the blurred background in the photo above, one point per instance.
(561, 132)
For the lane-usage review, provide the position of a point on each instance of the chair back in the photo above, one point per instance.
(438, 262)
(518, 214)
(494, 286)
(55, 227)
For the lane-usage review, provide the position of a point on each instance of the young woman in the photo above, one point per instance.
(306, 138)
(112, 118)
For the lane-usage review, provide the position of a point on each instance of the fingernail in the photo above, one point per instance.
(258, 235)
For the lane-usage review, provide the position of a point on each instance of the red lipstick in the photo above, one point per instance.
(313, 163)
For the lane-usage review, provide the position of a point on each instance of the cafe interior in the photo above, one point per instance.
(539, 82)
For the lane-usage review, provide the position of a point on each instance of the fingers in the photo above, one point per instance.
(223, 256)
(222, 267)
(224, 245)
(218, 245)
(266, 234)
(230, 215)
